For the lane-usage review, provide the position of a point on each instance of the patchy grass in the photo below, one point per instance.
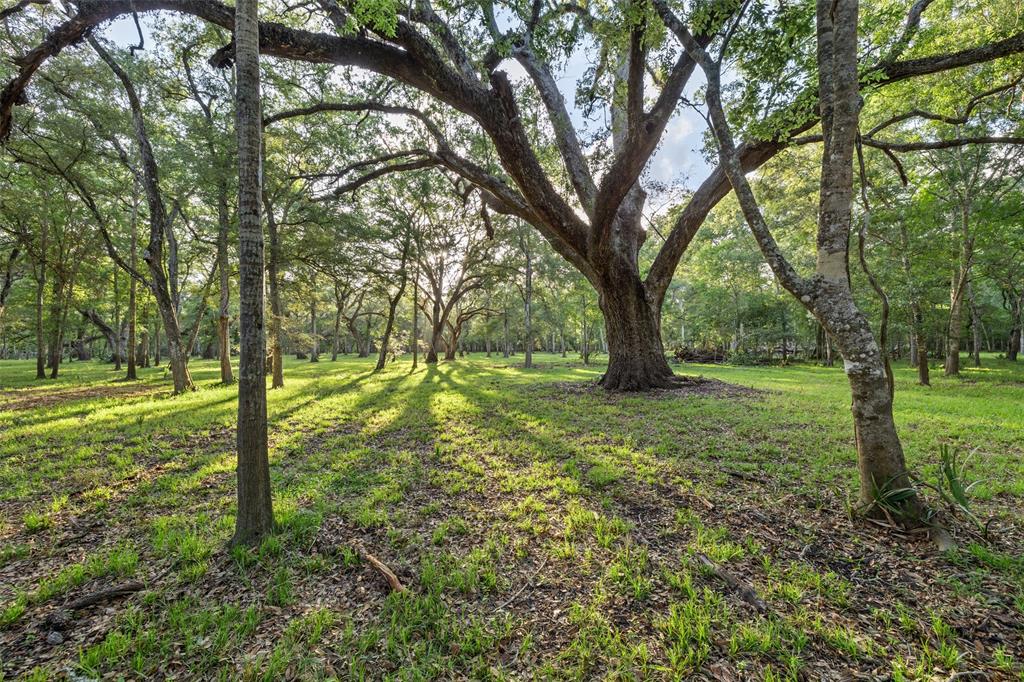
(545, 529)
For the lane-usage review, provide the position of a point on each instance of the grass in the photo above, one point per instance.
(545, 529)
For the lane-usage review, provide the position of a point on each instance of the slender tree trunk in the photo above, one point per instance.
(156, 341)
(954, 328)
(436, 330)
(132, 374)
(255, 518)
(117, 322)
(828, 295)
(224, 307)
(975, 326)
(389, 325)
(314, 350)
(415, 317)
(144, 347)
(505, 348)
(337, 332)
(527, 305)
(1014, 345)
(274, 287)
(40, 336)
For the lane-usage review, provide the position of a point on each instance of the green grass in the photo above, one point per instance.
(544, 531)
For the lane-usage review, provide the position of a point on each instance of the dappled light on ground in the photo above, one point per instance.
(544, 528)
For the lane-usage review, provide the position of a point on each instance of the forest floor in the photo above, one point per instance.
(544, 529)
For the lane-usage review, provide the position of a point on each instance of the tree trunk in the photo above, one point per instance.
(922, 365)
(415, 317)
(144, 347)
(953, 329)
(314, 349)
(255, 519)
(975, 326)
(132, 313)
(224, 307)
(1015, 342)
(527, 304)
(505, 348)
(336, 342)
(436, 331)
(117, 323)
(274, 288)
(636, 357)
(156, 341)
(40, 336)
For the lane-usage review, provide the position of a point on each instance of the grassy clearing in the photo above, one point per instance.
(545, 529)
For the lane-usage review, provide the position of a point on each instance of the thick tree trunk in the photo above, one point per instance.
(255, 519)
(224, 307)
(636, 357)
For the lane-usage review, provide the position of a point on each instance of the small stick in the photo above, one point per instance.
(105, 595)
(525, 585)
(389, 575)
(746, 592)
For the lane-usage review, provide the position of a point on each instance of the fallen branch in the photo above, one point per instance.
(105, 595)
(745, 591)
(382, 568)
(744, 476)
(525, 585)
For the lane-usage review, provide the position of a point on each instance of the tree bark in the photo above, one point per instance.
(827, 294)
(636, 357)
(255, 518)
(132, 374)
(40, 301)
(314, 349)
(224, 308)
(415, 317)
(1016, 311)
(274, 287)
(117, 323)
(975, 326)
(527, 305)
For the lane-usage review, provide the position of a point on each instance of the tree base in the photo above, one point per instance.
(636, 376)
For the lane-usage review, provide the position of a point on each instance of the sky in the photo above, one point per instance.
(677, 161)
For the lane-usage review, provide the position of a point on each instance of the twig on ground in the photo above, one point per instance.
(106, 595)
(746, 477)
(382, 568)
(525, 585)
(745, 591)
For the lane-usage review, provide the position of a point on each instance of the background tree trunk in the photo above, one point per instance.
(314, 349)
(224, 307)
(132, 313)
(274, 287)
